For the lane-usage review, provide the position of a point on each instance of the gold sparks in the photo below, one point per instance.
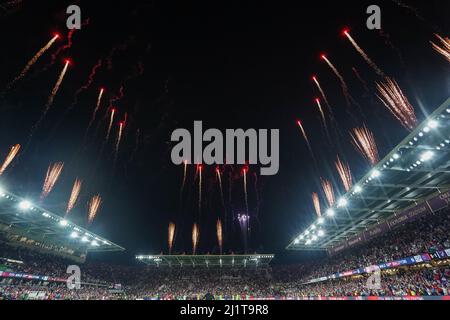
(171, 236)
(74, 195)
(443, 48)
(364, 142)
(328, 190)
(344, 173)
(219, 234)
(195, 237)
(9, 158)
(53, 173)
(316, 202)
(93, 206)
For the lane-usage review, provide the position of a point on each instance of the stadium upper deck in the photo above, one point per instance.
(415, 170)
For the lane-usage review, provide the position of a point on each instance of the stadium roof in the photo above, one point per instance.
(415, 169)
(29, 220)
(208, 261)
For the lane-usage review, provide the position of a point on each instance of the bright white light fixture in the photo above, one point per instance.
(426, 156)
(306, 232)
(74, 235)
(296, 241)
(84, 239)
(396, 156)
(375, 173)
(320, 220)
(25, 205)
(63, 223)
(433, 124)
(320, 233)
(342, 202)
(330, 212)
(313, 227)
(314, 238)
(358, 189)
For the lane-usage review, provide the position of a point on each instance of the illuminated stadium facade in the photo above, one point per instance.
(208, 261)
(411, 181)
(28, 224)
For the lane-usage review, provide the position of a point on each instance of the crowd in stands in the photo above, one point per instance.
(426, 235)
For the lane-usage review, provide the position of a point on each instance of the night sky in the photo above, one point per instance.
(230, 64)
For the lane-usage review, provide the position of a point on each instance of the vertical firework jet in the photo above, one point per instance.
(93, 206)
(322, 93)
(328, 190)
(244, 170)
(56, 87)
(219, 178)
(316, 202)
(219, 234)
(119, 137)
(199, 168)
(195, 237)
(344, 86)
(9, 158)
(33, 61)
(74, 195)
(344, 173)
(443, 48)
(363, 54)
(322, 114)
(111, 119)
(364, 142)
(53, 173)
(183, 183)
(396, 102)
(171, 236)
(299, 123)
(97, 106)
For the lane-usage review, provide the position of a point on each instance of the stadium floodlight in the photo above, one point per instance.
(314, 238)
(301, 237)
(306, 232)
(94, 243)
(433, 124)
(313, 227)
(74, 235)
(375, 173)
(358, 189)
(296, 241)
(2, 192)
(84, 239)
(320, 220)
(308, 242)
(330, 212)
(342, 202)
(426, 156)
(321, 233)
(63, 223)
(396, 156)
(25, 205)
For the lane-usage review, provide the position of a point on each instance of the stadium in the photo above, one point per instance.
(92, 208)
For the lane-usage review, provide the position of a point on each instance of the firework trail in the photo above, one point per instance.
(88, 82)
(364, 141)
(93, 206)
(219, 234)
(393, 98)
(219, 178)
(328, 190)
(9, 158)
(53, 173)
(74, 195)
(245, 188)
(195, 237)
(344, 173)
(119, 138)
(171, 236)
(344, 86)
(322, 114)
(199, 169)
(299, 123)
(316, 203)
(444, 49)
(97, 106)
(183, 182)
(363, 54)
(322, 93)
(56, 88)
(360, 79)
(32, 61)
(111, 119)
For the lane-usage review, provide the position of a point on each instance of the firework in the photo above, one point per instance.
(219, 234)
(219, 178)
(328, 190)
(74, 195)
(195, 237)
(53, 173)
(316, 203)
(119, 136)
(171, 236)
(55, 88)
(360, 79)
(322, 114)
(344, 173)
(363, 54)
(344, 86)
(93, 206)
(244, 170)
(185, 164)
(393, 98)
(33, 60)
(443, 48)
(322, 93)
(111, 119)
(200, 168)
(364, 141)
(9, 158)
(97, 106)
(299, 123)
(89, 81)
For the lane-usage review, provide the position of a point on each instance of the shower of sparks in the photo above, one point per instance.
(322, 93)
(93, 206)
(56, 87)
(245, 188)
(299, 123)
(344, 173)
(119, 137)
(97, 106)
(53, 173)
(328, 190)
(9, 158)
(443, 48)
(344, 86)
(33, 61)
(195, 237)
(111, 119)
(363, 54)
(171, 236)
(322, 114)
(219, 234)
(316, 203)
(74, 195)
(364, 142)
(393, 98)
(219, 178)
